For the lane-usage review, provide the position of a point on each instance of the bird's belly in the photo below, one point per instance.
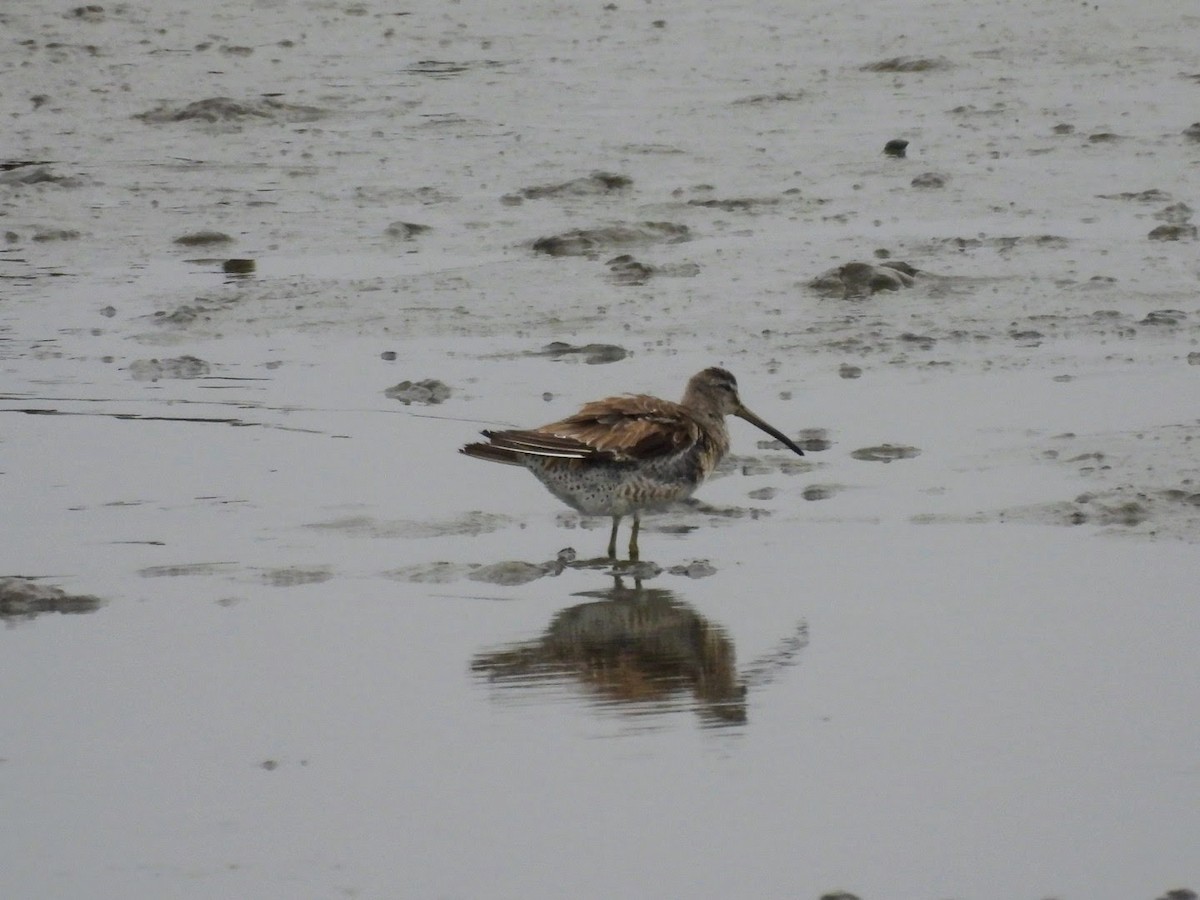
(617, 489)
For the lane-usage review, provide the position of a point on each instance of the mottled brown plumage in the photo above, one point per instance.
(619, 456)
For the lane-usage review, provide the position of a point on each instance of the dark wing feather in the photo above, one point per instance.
(617, 429)
(629, 428)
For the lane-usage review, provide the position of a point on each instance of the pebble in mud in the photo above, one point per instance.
(896, 147)
(430, 391)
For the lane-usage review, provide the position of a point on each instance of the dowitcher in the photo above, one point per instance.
(619, 456)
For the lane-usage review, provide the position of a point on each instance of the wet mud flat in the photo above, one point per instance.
(264, 269)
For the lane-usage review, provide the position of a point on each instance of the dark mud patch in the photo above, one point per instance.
(50, 235)
(1004, 243)
(591, 354)
(885, 453)
(25, 174)
(592, 241)
(214, 110)
(859, 280)
(770, 99)
(186, 570)
(697, 568)
(930, 181)
(738, 204)
(1184, 232)
(905, 64)
(593, 185)
(429, 573)
(1151, 195)
(183, 367)
(294, 576)
(428, 392)
(816, 492)
(513, 572)
(406, 231)
(202, 309)
(204, 238)
(627, 271)
(25, 598)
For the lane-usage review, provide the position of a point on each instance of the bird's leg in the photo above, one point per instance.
(612, 538)
(633, 547)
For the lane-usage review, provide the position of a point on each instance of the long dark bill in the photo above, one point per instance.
(743, 413)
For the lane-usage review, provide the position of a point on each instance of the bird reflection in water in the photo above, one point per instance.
(641, 649)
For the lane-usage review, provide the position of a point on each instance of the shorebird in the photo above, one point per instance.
(619, 456)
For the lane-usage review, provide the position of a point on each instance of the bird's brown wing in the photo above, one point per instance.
(627, 428)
